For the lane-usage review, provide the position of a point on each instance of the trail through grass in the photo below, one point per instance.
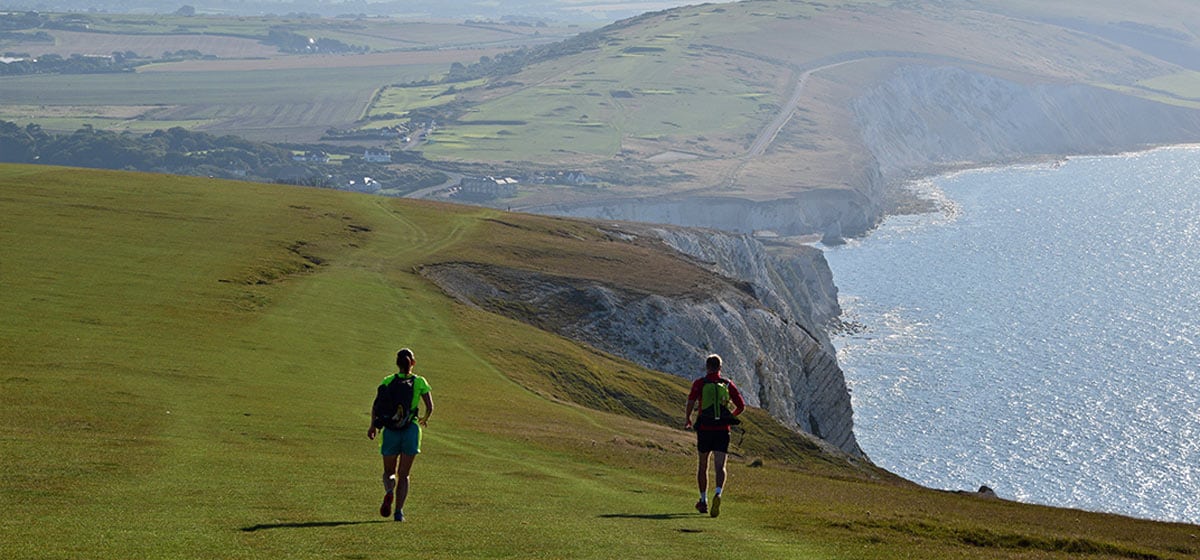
(187, 367)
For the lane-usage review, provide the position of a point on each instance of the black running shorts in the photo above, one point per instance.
(712, 440)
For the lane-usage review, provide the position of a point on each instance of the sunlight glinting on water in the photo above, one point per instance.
(1037, 335)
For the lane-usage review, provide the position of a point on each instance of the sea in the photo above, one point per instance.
(1039, 334)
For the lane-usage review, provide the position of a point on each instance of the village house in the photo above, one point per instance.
(312, 157)
(377, 156)
(487, 187)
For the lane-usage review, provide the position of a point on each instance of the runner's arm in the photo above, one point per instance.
(693, 398)
(736, 396)
(428, 400)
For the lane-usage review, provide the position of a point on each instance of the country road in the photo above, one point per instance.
(769, 132)
(767, 135)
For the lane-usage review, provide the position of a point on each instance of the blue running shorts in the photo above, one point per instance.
(406, 441)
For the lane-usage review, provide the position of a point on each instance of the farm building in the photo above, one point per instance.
(487, 187)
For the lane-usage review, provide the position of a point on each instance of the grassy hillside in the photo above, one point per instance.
(685, 101)
(187, 364)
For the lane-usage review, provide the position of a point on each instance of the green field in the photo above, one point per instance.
(376, 33)
(252, 103)
(187, 366)
(400, 100)
(661, 92)
(248, 88)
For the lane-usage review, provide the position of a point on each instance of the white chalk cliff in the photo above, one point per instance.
(766, 323)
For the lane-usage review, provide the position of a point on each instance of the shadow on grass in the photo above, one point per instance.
(307, 524)
(648, 515)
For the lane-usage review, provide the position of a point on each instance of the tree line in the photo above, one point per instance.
(175, 150)
(179, 151)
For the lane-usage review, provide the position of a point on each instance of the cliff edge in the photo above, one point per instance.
(765, 319)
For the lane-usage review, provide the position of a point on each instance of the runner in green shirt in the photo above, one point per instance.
(400, 447)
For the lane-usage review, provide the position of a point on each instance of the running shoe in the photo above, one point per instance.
(702, 506)
(399, 515)
(716, 508)
(385, 509)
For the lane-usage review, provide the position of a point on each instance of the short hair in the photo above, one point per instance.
(404, 358)
(712, 362)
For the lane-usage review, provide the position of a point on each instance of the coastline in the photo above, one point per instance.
(913, 186)
(902, 199)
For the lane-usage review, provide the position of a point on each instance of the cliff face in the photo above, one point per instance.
(765, 323)
(796, 290)
(834, 211)
(923, 117)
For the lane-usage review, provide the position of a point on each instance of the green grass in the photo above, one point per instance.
(658, 90)
(402, 99)
(187, 366)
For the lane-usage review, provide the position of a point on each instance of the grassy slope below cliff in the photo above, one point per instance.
(187, 365)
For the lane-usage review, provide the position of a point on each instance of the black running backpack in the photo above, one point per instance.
(393, 403)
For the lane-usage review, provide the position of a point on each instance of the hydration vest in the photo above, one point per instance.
(393, 402)
(714, 404)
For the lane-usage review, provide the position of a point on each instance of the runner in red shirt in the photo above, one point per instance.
(712, 437)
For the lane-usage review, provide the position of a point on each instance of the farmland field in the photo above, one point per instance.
(265, 105)
(67, 43)
(402, 99)
(250, 88)
(295, 62)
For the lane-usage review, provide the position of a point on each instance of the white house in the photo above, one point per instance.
(377, 156)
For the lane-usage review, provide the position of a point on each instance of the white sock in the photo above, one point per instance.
(389, 483)
(718, 491)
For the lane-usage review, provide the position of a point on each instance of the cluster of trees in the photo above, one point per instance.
(22, 20)
(74, 64)
(182, 152)
(166, 151)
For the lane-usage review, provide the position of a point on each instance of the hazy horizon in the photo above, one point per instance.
(542, 10)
